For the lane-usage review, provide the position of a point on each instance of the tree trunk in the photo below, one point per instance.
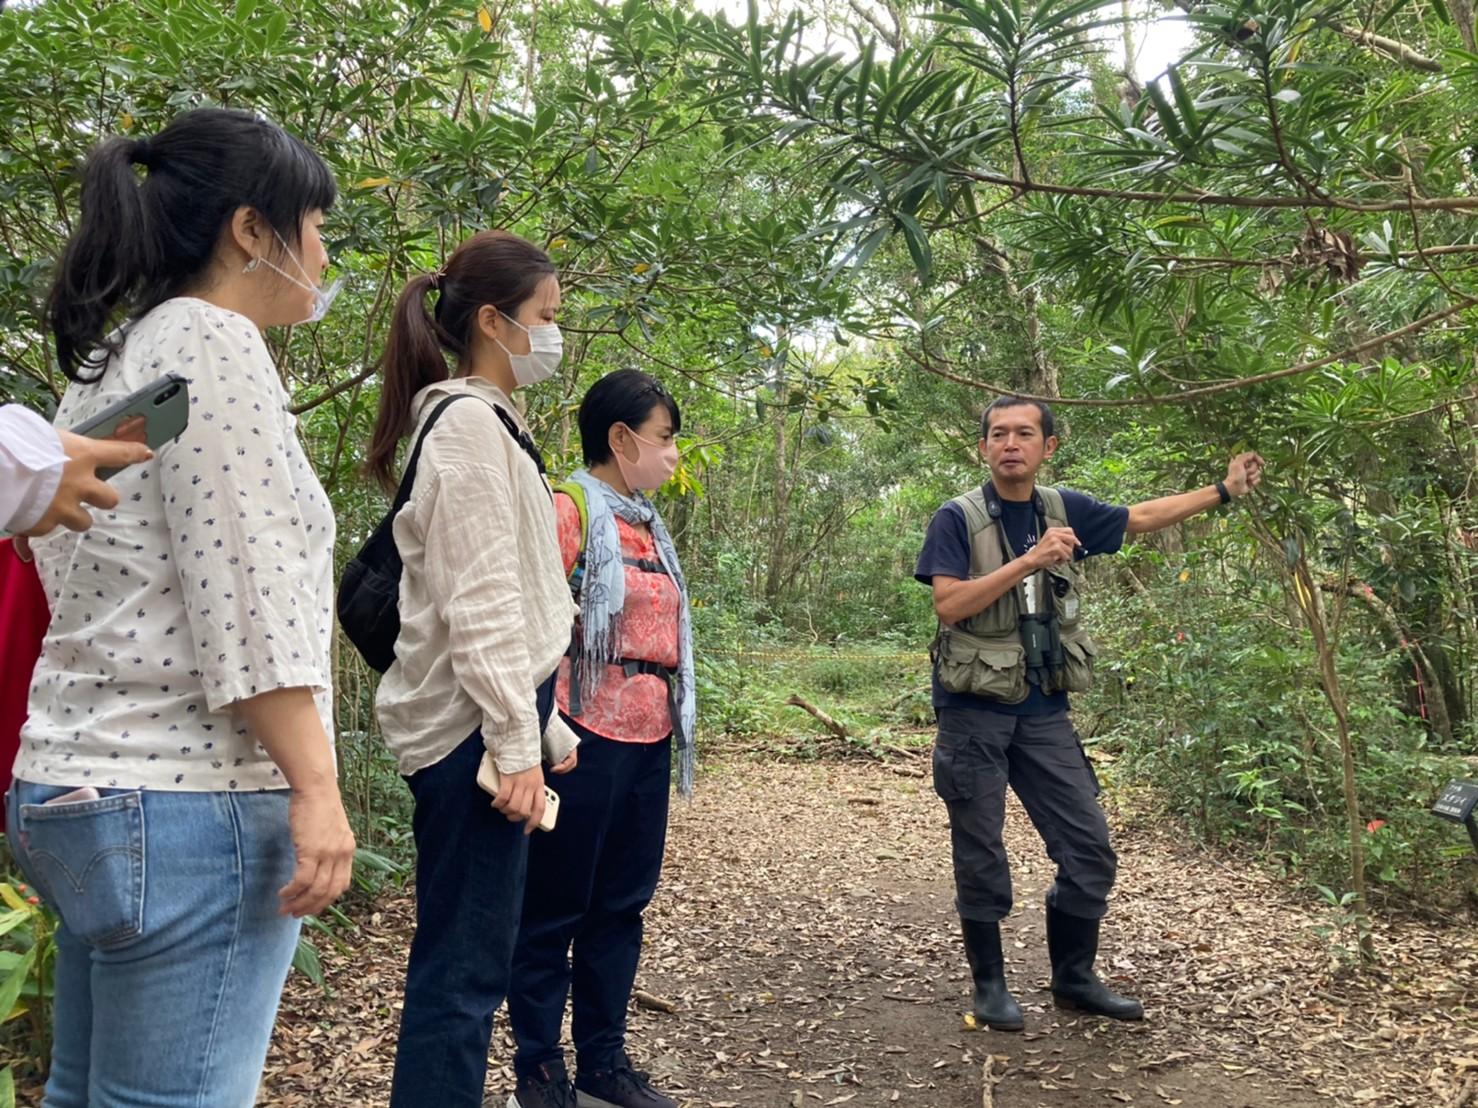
(780, 516)
(1465, 15)
(1311, 601)
(1309, 598)
(1436, 696)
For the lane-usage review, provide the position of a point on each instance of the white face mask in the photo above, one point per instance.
(323, 297)
(546, 350)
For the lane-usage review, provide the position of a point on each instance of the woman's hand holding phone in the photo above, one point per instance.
(80, 485)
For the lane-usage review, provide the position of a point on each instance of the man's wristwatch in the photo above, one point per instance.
(1221, 491)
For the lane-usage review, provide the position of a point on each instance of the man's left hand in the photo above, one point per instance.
(1244, 472)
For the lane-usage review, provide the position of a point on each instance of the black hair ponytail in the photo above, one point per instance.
(491, 267)
(143, 238)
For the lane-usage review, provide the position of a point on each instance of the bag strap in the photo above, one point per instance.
(525, 442)
(576, 493)
(408, 479)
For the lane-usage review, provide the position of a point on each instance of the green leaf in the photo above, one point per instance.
(10, 988)
(918, 244)
(305, 961)
(1184, 102)
(1165, 113)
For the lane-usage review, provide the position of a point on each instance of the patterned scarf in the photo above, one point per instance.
(603, 595)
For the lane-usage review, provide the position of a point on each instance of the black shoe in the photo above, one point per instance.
(1072, 943)
(994, 1006)
(547, 1087)
(618, 1087)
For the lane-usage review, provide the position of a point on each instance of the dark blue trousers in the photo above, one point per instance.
(470, 867)
(589, 881)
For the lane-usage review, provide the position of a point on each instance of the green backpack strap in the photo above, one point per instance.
(576, 493)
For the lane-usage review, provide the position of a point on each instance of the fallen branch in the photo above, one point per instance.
(988, 1080)
(836, 728)
(654, 1003)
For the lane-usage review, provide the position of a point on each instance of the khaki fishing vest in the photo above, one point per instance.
(983, 655)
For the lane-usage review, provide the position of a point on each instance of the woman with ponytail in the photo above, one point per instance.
(175, 797)
(485, 616)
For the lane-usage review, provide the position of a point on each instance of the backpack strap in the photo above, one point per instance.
(520, 436)
(576, 492)
(525, 442)
(408, 478)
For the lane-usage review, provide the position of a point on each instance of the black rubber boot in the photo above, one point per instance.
(1072, 943)
(994, 1006)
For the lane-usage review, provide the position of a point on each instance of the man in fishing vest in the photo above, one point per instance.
(1003, 563)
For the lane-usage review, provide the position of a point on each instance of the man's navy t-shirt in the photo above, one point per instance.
(1100, 530)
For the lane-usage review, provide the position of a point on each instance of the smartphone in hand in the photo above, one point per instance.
(154, 415)
(487, 781)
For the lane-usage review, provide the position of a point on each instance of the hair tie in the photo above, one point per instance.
(140, 153)
(436, 278)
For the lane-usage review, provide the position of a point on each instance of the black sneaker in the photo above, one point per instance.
(621, 1086)
(547, 1087)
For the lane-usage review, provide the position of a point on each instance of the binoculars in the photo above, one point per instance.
(1039, 637)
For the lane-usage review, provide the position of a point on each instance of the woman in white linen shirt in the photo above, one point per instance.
(175, 796)
(485, 616)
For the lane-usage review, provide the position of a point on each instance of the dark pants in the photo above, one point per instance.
(980, 752)
(470, 865)
(589, 881)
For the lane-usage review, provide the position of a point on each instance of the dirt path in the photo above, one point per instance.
(813, 958)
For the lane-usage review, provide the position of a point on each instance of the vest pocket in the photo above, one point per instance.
(1068, 605)
(1077, 658)
(966, 664)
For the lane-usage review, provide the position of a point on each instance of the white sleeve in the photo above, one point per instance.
(236, 530)
(559, 740)
(31, 460)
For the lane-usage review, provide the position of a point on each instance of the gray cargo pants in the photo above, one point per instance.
(978, 753)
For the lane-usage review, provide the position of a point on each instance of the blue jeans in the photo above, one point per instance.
(171, 953)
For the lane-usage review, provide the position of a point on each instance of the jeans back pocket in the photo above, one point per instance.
(87, 860)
